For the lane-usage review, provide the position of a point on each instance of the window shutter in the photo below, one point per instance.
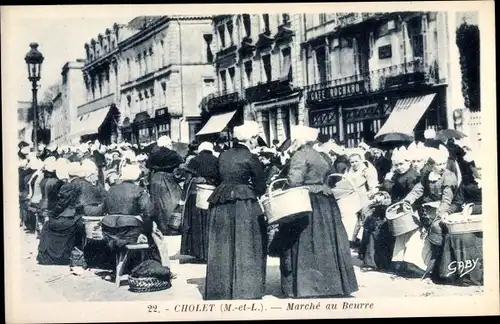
(425, 40)
(315, 68)
(356, 56)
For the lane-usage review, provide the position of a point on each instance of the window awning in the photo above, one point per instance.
(89, 123)
(216, 123)
(406, 114)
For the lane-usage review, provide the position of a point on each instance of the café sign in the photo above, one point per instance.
(337, 92)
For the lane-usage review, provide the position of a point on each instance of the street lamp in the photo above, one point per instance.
(34, 61)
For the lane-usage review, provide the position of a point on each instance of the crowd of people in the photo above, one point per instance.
(149, 187)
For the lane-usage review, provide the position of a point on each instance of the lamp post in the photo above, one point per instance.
(34, 61)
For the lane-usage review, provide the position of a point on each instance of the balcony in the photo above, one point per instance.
(225, 52)
(393, 77)
(269, 90)
(265, 40)
(247, 48)
(96, 104)
(219, 101)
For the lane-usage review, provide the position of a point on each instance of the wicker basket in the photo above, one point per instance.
(148, 284)
(281, 206)
(400, 217)
(462, 223)
(93, 228)
(203, 192)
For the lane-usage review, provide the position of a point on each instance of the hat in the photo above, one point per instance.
(52, 147)
(164, 141)
(400, 154)
(429, 134)
(25, 150)
(206, 146)
(141, 157)
(74, 169)
(246, 131)
(303, 133)
(129, 155)
(439, 155)
(323, 138)
(130, 172)
(50, 164)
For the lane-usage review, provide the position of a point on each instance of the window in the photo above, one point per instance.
(129, 70)
(139, 63)
(223, 81)
(151, 57)
(266, 61)
(230, 31)
(129, 101)
(417, 42)
(247, 25)
(322, 64)
(273, 121)
(265, 18)
(322, 18)
(162, 47)
(248, 73)
(164, 94)
(222, 35)
(286, 18)
(231, 77)
(286, 68)
(164, 129)
(146, 65)
(208, 42)
(265, 125)
(285, 119)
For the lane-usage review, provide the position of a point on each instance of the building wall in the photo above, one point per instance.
(177, 73)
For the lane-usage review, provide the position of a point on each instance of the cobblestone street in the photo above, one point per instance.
(57, 283)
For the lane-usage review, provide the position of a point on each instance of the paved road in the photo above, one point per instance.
(57, 283)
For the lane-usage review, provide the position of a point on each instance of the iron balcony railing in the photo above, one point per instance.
(395, 76)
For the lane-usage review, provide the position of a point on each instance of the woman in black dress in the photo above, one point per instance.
(316, 261)
(236, 265)
(202, 169)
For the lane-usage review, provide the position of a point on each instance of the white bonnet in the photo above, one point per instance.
(439, 155)
(246, 131)
(206, 146)
(401, 154)
(50, 164)
(62, 169)
(429, 133)
(25, 150)
(74, 169)
(141, 157)
(164, 141)
(130, 155)
(304, 133)
(88, 167)
(130, 172)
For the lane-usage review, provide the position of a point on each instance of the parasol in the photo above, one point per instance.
(392, 140)
(445, 134)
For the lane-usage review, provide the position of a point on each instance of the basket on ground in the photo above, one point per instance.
(148, 284)
(281, 206)
(93, 228)
(464, 222)
(400, 217)
(203, 192)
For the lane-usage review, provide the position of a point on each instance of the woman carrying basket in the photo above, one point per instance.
(201, 169)
(236, 264)
(316, 261)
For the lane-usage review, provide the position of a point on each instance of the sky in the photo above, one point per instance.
(61, 35)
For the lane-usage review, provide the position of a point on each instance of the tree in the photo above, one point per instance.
(468, 47)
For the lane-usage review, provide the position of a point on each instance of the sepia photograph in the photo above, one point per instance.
(201, 162)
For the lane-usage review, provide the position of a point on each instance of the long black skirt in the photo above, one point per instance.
(317, 260)
(58, 238)
(236, 264)
(194, 240)
(165, 196)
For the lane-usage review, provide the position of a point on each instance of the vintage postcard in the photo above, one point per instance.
(249, 161)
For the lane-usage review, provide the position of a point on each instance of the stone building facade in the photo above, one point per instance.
(98, 117)
(259, 75)
(24, 126)
(165, 72)
(373, 73)
(70, 96)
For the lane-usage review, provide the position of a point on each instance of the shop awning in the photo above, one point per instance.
(216, 123)
(89, 123)
(406, 114)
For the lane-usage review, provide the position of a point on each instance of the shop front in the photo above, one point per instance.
(146, 129)
(350, 113)
(101, 124)
(220, 114)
